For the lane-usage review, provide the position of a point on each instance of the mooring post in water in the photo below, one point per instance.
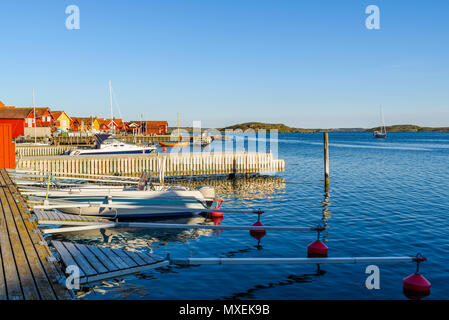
(326, 161)
(234, 168)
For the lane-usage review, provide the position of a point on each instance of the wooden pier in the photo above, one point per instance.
(100, 263)
(28, 269)
(73, 140)
(40, 151)
(144, 138)
(161, 165)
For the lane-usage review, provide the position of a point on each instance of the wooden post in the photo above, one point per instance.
(326, 161)
(234, 167)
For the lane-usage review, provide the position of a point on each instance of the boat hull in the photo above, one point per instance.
(174, 144)
(100, 152)
(380, 135)
(98, 211)
(132, 204)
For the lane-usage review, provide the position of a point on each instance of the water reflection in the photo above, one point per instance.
(136, 238)
(245, 188)
(326, 214)
(159, 240)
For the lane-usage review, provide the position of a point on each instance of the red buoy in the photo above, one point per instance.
(164, 149)
(416, 286)
(317, 249)
(216, 214)
(257, 234)
(217, 220)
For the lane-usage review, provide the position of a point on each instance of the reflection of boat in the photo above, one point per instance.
(106, 144)
(382, 134)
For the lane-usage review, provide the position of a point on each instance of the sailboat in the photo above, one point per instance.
(179, 143)
(382, 134)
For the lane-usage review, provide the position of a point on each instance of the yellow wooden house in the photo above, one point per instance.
(97, 124)
(62, 120)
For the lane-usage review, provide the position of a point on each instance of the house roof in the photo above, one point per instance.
(132, 124)
(117, 121)
(2, 105)
(16, 113)
(86, 120)
(39, 111)
(156, 123)
(57, 114)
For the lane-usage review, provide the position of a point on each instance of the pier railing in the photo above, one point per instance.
(159, 164)
(31, 151)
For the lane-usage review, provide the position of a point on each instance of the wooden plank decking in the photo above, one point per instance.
(100, 263)
(50, 217)
(26, 268)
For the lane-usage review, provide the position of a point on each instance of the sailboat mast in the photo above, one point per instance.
(110, 102)
(35, 120)
(384, 129)
(178, 127)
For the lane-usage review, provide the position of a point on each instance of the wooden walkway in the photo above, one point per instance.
(99, 263)
(162, 165)
(27, 267)
(50, 217)
(30, 150)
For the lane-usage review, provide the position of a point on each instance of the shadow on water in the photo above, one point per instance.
(291, 280)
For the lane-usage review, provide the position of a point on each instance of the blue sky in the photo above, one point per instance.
(303, 63)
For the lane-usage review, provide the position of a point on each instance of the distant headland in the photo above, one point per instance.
(283, 128)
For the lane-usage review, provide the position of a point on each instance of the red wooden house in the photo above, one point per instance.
(19, 118)
(133, 127)
(44, 118)
(115, 125)
(154, 127)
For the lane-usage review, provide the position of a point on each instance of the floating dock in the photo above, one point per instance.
(58, 218)
(100, 263)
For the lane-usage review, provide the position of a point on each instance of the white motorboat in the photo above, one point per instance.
(146, 200)
(107, 145)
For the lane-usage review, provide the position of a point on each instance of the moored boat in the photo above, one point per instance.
(145, 200)
(174, 144)
(108, 145)
(382, 134)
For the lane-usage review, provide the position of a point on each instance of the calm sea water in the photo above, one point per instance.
(386, 198)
